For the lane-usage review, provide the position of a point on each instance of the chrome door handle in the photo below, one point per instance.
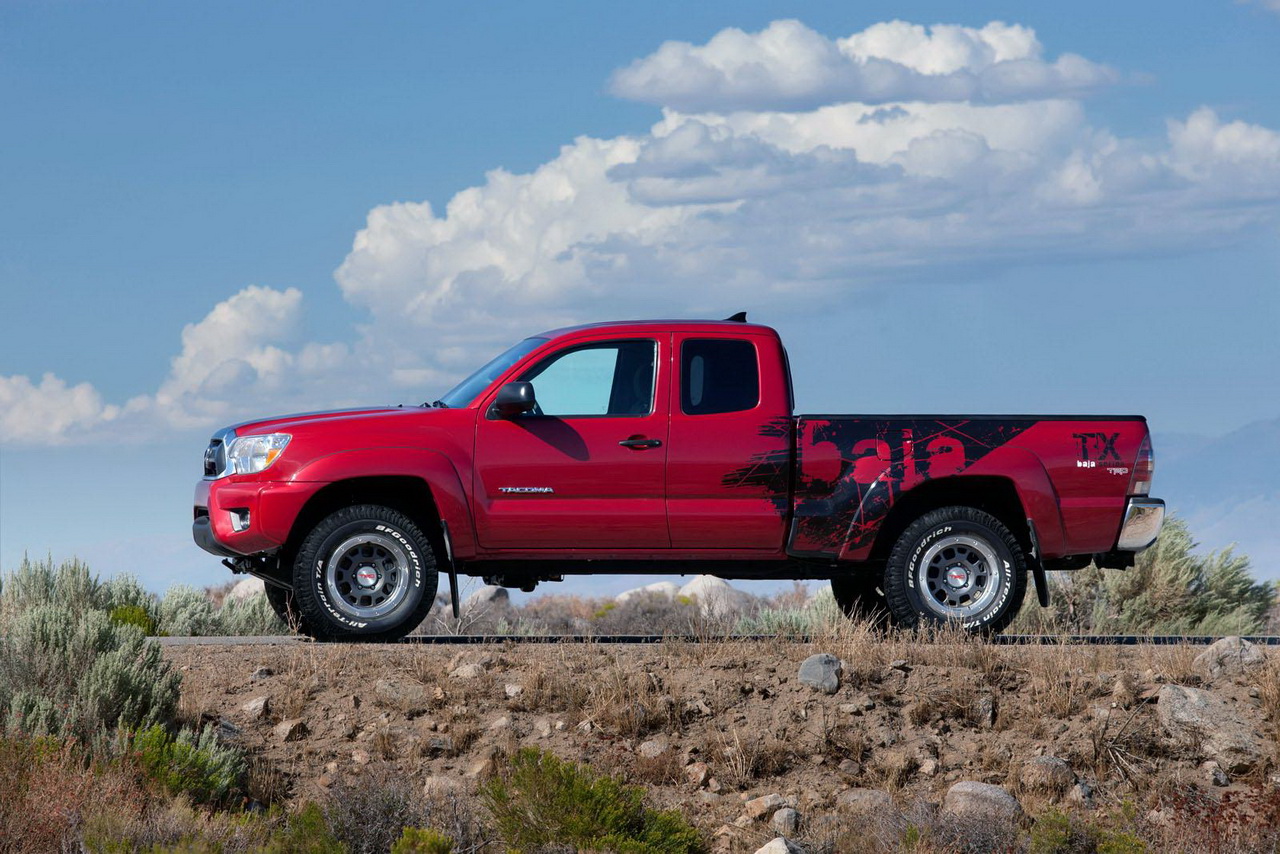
(641, 443)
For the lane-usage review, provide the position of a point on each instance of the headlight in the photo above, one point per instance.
(251, 454)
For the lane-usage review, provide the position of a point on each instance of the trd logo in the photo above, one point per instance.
(1097, 447)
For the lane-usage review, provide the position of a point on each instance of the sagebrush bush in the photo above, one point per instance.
(1169, 590)
(547, 801)
(70, 586)
(250, 616)
(194, 764)
(187, 612)
(81, 675)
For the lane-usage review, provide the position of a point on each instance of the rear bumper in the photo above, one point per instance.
(1143, 518)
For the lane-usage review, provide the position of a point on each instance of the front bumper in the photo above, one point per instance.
(269, 508)
(1143, 518)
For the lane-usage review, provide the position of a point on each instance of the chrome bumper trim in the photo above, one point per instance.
(1143, 518)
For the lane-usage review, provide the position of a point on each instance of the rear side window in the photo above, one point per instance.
(718, 375)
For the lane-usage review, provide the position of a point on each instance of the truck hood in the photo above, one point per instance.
(284, 423)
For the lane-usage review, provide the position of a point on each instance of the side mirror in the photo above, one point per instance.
(514, 399)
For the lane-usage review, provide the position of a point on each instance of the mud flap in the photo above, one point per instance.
(1037, 568)
(453, 570)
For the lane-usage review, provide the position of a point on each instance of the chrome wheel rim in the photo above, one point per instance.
(368, 576)
(958, 576)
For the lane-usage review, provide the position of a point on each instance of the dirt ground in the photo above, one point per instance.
(706, 726)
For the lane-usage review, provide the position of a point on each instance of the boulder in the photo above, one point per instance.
(780, 845)
(1210, 725)
(294, 729)
(653, 748)
(969, 799)
(246, 588)
(487, 598)
(698, 774)
(467, 671)
(1229, 658)
(821, 672)
(716, 598)
(1048, 774)
(259, 708)
(666, 589)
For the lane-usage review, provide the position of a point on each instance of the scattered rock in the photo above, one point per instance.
(502, 723)
(1214, 775)
(653, 748)
(585, 726)
(698, 774)
(1125, 692)
(785, 821)
(764, 805)
(849, 768)
(1081, 795)
(262, 673)
(1229, 658)
(928, 767)
(864, 801)
(542, 728)
(900, 664)
(780, 845)
(360, 757)
(1209, 724)
(984, 711)
(1048, 774)
(821, 672)
(293, 729)
(409, 697)
(973, 800)
(258, 708)
(324, 781)
(468, 671)
(512, 691)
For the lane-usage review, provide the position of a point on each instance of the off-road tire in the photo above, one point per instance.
(860, 595)
(323, 569)
(281, 601)
(969, 543)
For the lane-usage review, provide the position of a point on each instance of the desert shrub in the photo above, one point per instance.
(1169, 590)
(788, 618)
(416, 840)
(81, 675)
(251, 616)
(193, 764)
(306, 832)
(187, 612)
(546, 801)
(133, 615)
(368, 815)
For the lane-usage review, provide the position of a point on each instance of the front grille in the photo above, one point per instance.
(215, 458)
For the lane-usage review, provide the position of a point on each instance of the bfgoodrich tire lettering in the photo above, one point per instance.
(956, 565)
(364, 573)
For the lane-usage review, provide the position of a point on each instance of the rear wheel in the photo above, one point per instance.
(956, 565)
(364, 573)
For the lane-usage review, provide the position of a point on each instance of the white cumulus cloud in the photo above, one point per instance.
(788, 66)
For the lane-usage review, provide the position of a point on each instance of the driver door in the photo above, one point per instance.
(586, 469)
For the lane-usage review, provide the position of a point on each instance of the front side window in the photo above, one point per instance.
(610, 378)
(718, 375)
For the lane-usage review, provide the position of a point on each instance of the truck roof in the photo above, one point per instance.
(648, 326)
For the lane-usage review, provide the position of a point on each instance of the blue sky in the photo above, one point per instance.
(1090, 236)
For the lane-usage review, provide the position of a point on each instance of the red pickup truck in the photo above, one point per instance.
(666, 447)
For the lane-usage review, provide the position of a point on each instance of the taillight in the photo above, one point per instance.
(1143, 469)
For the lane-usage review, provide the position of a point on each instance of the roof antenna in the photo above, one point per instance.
(740, 317)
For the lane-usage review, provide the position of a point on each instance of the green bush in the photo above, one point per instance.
(1170, 590)
(196, 765)
(306, 832)
(546, 801)
(416, 840)
(187, 612)
(134, 615)
(250, 617)
(81, 675)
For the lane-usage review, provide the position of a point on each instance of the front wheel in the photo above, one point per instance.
(364, 573)
(956, 565)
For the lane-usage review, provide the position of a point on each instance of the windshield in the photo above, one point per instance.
(466, 391)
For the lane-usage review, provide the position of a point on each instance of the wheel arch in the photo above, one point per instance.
(407, 494)
(991, 494)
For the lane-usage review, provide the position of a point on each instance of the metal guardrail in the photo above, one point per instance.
(472, 640)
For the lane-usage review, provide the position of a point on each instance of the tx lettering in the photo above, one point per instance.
(1096, 448)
